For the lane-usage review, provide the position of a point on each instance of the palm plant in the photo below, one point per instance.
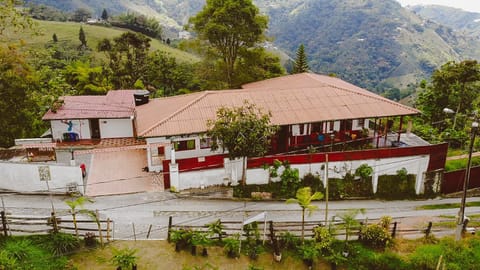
(350, 221)
(304, 198)
(216, 227)
(73, 204)
(124, 258)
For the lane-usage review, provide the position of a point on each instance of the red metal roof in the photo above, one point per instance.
(116, 104)
(292, 99)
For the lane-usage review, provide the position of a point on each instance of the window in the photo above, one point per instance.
(361, 122)
(205, 143)
(184, 145)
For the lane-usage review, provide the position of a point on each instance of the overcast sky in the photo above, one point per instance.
(469, 5)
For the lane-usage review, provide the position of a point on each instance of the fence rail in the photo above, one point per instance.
(294, 228)
(23, 225)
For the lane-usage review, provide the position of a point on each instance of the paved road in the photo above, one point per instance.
(145, 209)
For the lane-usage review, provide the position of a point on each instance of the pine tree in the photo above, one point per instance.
(104, 15)
(82, 38)
(300, 64)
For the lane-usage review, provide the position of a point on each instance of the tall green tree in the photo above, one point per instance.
(301, 63)
(86, 79)
(455, 86)
(17, 82)
(228, 26)
(81, 15)
(304, 198)
(82, 38)
(128, 58)
(104, 15)
(244, 131)
(255, 65)
(168, 77)
(12, 18)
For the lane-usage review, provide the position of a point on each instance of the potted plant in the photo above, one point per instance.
(232, 246)
(308, 253)
(277, 255)
(124, 258)
(216, 228)
(178, 238)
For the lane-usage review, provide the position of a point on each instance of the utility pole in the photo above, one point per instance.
(466, 180)
(326, 189)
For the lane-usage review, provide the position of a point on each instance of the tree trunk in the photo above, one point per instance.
(244, 171)
(74, 219)
(303, 224)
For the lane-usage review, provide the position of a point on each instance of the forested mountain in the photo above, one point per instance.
(375, 44)
(457, 19)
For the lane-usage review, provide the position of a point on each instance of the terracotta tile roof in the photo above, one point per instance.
(293, 99)
(116, 104)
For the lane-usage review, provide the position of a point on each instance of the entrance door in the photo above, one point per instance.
(95, 128)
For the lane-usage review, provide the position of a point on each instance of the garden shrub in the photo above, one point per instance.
(231, 246)
(359, 257)
(314, 182)
(336, 189)
(26, 252)
(290, 181)
(395, 187)
(426, 257)
(289, 240)
(324, 239)
(124, 258)
(375, 236)
(62, 243)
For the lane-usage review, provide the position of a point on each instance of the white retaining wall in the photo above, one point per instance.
(25, 177)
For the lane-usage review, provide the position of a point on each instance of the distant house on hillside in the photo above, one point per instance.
(93, 117)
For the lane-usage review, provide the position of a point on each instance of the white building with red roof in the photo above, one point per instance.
(310, 109)
(93, 117)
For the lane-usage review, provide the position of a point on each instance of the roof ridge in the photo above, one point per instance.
(204, 93)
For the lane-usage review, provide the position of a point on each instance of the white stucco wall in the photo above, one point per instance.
(24, 177)
(81, 127)
(416, 165)
(116, 128)
(196, 179)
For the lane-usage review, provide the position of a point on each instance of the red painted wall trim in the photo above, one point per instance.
(453, 181)
(437, 153)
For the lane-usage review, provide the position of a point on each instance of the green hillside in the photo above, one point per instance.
(457, 19)
(375, 44)
(68, 31)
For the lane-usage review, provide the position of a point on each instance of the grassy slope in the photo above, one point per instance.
(69, 31)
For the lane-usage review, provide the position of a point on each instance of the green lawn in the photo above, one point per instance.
(445, 206)
(68, 31)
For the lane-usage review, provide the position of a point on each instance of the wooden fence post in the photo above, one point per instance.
(97, 217)
(272, 231)
(429, 229)
(4, 223)
(54, 222)
(134, 234)
(108, 229)
(394, 230)
(169, 228)
(149, 230)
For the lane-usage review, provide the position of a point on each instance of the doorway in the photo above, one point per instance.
(95, 128)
